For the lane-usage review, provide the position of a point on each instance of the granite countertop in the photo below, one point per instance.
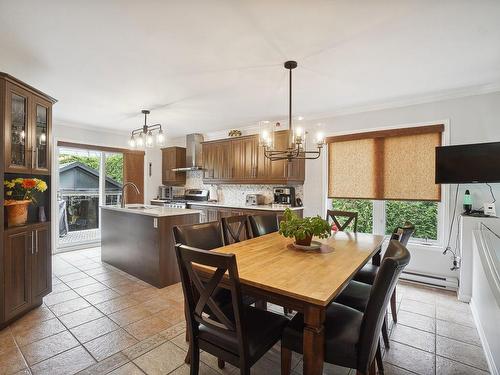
(148, 210)
(264, 207)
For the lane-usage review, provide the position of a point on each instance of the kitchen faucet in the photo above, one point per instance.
(123, 191)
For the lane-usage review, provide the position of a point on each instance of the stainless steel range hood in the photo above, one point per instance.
(193, 154)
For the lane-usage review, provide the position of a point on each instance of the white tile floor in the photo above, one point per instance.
(99, 320)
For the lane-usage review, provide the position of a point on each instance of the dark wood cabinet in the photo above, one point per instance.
(26, 268)
(41, 265)
(241, 160)
(26, 151)
(28, 126)
(173, 157)
(17, 272)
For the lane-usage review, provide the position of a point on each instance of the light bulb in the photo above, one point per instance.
(160, 138)
(140, 140)
(43, 139)
(149, 139)
(320, 138)
(132, 142)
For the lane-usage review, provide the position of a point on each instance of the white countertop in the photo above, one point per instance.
(148, 210)
(264, 207)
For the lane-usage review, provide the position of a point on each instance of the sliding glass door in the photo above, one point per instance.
(87, 180)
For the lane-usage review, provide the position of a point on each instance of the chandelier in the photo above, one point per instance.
(144, 136)
(296, 137)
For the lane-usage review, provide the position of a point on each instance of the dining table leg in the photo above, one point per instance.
(314, 340)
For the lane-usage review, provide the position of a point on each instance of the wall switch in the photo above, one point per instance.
(155, 223)
(490, 209)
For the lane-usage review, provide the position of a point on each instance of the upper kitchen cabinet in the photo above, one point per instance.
(217, 161)
(173, 157)
(241, 161)
(27, 122)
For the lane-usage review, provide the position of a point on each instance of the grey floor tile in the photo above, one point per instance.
(458, 332)
(465, 353)
(66, 363)
(422, 322)
(409, 358)
(414, 337)
(445, 366)
(161, 360)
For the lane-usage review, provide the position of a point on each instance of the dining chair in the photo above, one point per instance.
(369, 271)
(351, 217)
(206, 236)
(234, 333)
(263, 224)
(235, 229)
(352, 338)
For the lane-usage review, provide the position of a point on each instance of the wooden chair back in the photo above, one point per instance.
(403, 233)
(206, 236)
(201, 300)
(235, 229)
(395, 260)
(352, 217)
(263, 224)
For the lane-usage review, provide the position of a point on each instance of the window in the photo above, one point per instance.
(363, 207)
(424, 215)
(391, 214)
(388, 178)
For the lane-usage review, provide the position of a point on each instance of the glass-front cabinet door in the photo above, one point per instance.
(41, 136)
(17, 132)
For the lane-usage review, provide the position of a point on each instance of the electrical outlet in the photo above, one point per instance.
(490, 209)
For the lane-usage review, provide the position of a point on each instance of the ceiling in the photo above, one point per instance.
(203, 66)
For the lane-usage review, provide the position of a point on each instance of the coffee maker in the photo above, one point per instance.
(284, 195)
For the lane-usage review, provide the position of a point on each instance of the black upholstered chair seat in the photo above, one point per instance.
(355, 295)
(342, 329)
(262, 329)
(367, 273)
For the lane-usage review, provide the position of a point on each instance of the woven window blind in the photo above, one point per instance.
(390, 165)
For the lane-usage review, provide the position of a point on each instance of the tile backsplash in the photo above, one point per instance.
(234, 193)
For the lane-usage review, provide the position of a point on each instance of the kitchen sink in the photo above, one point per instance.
(140, 208)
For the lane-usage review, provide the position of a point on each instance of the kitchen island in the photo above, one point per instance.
(138, 240)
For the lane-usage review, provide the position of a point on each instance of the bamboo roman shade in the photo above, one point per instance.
(391, 165)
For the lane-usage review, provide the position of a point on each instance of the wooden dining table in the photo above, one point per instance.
(272, 269)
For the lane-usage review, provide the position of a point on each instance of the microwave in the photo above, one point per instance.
(170, 192)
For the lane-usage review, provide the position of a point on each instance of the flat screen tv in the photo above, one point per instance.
(478, 162)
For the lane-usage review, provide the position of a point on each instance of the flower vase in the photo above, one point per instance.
(17, 212)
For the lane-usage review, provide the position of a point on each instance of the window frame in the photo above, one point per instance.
(443, 218)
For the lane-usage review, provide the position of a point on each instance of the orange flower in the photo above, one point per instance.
(29, 183)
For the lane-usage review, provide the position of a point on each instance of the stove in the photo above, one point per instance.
(191, 196)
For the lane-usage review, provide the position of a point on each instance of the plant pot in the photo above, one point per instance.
(304, 242)
(17, 212)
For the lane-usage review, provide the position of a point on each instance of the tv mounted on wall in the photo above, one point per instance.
(459, 164)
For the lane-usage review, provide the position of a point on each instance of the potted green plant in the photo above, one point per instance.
(303, 229)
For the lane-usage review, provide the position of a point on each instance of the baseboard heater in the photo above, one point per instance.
(449, 283)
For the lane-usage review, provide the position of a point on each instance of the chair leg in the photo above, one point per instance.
(220, 363)
(194, 358)
(393, 307)
(385, 333)
(373, 369)
(378, 358)
(286, 361)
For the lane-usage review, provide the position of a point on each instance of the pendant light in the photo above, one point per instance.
(296, 136)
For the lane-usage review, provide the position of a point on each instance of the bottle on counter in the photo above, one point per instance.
(467, 202)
